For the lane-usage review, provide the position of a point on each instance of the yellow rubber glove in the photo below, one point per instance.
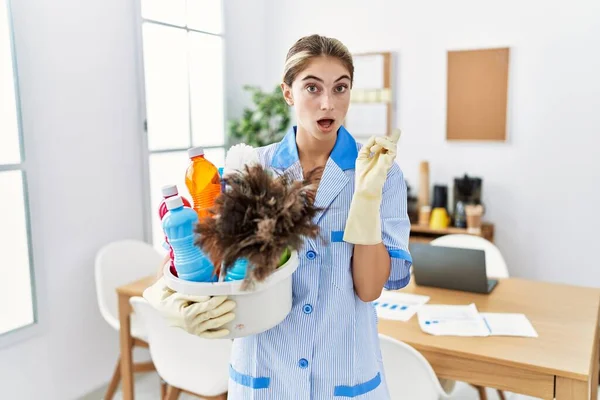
(375, 159)
(202, 316)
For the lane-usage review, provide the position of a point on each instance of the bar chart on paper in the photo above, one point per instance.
(398, 306)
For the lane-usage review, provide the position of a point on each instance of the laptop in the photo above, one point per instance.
(450, 268)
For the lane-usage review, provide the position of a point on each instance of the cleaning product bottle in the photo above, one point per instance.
(240, 267)
(221, 170)
(178, 224)
(170, 191)
(238, 271)
(203, 181)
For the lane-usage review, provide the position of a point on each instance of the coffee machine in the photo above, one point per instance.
(467, 190)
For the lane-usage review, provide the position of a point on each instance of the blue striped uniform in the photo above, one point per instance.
(327, 347)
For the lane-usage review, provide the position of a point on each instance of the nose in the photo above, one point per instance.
(326, 103)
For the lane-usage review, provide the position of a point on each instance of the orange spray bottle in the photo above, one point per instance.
(203, 181)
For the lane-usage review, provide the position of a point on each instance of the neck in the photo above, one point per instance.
(313, 152)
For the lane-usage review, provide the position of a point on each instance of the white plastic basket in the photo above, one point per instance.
(257, 309)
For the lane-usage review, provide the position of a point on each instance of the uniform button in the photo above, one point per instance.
(307, 309)
(303, 363)
(311, 255)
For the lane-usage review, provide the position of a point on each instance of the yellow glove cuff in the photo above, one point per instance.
(363, 225)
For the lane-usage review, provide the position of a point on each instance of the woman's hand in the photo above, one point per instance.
(374, 161)
(203, 316)
(373, 164)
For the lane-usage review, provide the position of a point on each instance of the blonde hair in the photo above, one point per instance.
(308, 47)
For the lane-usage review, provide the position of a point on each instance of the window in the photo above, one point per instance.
(17, 304)
(183, 67)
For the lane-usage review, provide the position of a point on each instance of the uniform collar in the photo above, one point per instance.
(344, 151)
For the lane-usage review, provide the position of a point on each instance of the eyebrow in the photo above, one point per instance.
(321, 80)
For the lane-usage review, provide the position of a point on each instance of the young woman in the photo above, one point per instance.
(328, 346)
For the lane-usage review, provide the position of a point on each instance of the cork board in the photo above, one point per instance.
(477, 94)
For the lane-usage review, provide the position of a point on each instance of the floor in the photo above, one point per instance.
(147, 387)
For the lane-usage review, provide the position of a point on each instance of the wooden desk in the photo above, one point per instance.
(562, 362)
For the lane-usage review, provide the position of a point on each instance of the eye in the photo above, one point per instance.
(341, 88)
(312, 88)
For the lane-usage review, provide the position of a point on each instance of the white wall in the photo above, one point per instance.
(540, 188)
(78, 76)
(80, 120)
(245, 51)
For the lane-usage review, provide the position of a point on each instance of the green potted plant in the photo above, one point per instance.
(265, 123)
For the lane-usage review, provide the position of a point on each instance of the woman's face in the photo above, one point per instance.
(320, 95)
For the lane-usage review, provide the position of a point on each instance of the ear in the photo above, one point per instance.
(287, 94)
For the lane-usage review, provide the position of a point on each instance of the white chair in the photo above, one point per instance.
(116, 264)
(495, 267)
(408, 374)
(494, 262)
(187, 363)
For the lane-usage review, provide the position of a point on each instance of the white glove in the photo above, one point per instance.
(199, 315)
(363, 225)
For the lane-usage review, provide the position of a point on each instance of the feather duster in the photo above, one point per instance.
(238, 156)
(257, 218)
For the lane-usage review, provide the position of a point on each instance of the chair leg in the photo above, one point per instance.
(163, 389)
(501, 394)
(143, 367)
(114, 382)
(173, 393)
(482, 393)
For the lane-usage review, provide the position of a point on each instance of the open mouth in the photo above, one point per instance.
(325, 123)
